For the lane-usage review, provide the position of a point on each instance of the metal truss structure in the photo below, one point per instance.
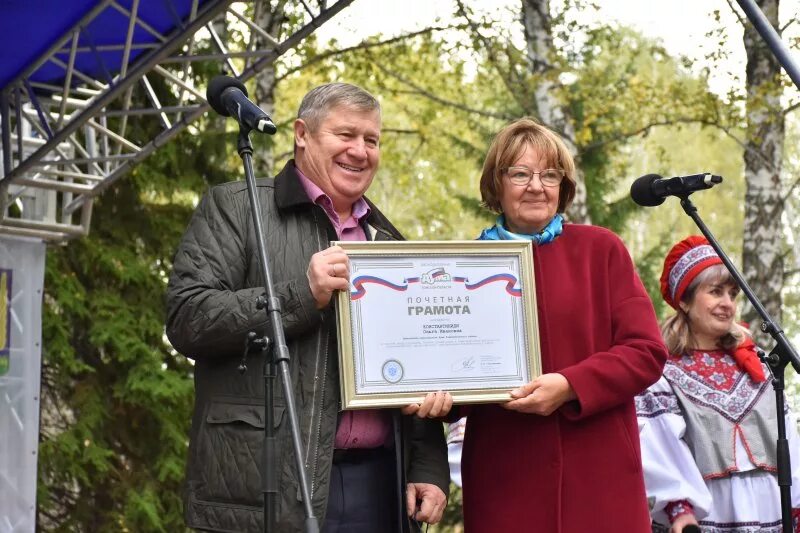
(64, 144)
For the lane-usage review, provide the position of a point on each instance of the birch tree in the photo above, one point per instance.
(762, 246)
(550, 106)
(272, 20)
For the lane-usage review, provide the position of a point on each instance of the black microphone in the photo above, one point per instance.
(228, 97)
(652, 189)
(691, 528)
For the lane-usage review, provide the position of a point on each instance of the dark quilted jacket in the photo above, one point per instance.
(210, 308)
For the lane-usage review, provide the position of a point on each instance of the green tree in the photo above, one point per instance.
(116, 399)
(626, 95)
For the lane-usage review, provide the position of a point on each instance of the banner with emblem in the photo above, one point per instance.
(21, 289)
(458, 316)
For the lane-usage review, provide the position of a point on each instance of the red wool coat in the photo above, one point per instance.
(578, 470)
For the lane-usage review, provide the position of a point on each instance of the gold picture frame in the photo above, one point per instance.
(423, 316)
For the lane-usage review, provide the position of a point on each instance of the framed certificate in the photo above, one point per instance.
(424, 316)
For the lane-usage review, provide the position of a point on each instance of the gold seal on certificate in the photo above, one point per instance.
(426, 316)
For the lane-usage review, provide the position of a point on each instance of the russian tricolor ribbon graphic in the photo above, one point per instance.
(360, 282)
(510, 280)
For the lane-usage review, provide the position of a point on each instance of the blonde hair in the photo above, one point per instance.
(508, 146)
(677, 329)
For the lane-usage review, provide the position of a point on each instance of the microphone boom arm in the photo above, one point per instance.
(768, 325)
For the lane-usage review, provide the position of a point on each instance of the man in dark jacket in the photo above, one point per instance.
(367, 470)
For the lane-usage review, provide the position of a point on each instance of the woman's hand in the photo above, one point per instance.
(681, 522)
(541, 396)
(435, 405)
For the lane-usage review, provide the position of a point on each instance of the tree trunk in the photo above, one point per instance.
(762, 250)
(271, 19)
(536, 21)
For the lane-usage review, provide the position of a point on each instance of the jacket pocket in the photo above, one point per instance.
(634, 457)
(228, 460)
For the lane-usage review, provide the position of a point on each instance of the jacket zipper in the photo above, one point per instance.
(317, 386)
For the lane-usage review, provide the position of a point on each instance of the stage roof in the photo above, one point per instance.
(29, 29)
(75, 74)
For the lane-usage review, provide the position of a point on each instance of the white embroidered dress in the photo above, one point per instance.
(455, 442)
(707, 390)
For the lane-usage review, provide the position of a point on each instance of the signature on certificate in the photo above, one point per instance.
(464, 365)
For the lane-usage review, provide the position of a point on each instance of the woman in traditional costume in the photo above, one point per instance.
(714, 402)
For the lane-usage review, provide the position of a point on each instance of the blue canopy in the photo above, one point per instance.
(28, 29)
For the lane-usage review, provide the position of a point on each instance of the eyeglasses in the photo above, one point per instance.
(522, 176)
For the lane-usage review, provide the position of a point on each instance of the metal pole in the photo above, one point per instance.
(5, 125)
(771, 37)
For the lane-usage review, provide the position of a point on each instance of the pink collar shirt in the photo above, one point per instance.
(368, 428)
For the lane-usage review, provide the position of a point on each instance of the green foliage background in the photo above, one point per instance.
(117, 398)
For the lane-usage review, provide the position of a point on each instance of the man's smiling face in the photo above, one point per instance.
(341, 155)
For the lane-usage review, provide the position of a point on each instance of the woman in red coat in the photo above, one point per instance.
(563, 455)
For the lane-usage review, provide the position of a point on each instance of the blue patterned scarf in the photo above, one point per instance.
(498, 232)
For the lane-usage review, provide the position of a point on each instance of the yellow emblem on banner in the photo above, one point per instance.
(5, 319)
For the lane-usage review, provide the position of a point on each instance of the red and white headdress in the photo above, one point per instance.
(683, 263)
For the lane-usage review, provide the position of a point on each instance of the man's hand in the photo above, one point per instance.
(541, 396)
(328, 271)
(434, 405)
(431, 499)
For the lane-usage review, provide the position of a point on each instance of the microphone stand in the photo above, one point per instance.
(277, 355)
(781, 355)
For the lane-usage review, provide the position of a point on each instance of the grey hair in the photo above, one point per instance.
(320, 100)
